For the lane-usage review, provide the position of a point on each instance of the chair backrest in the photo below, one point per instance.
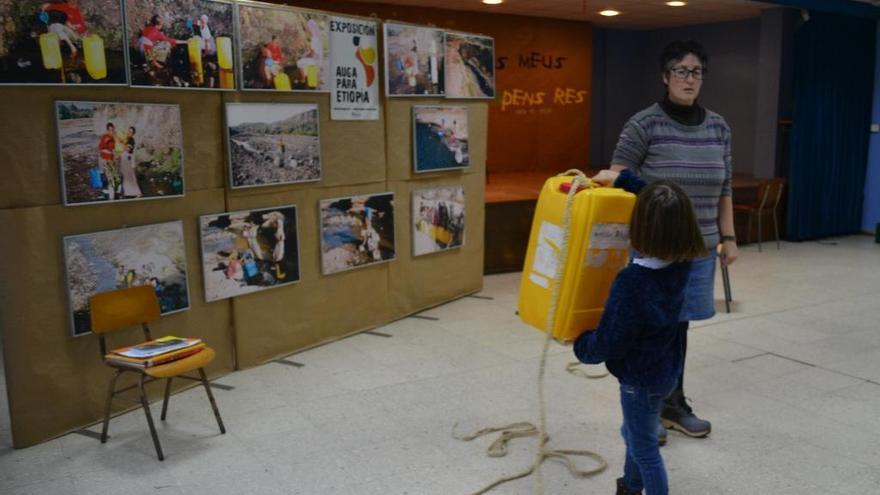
(117, 309)
(770, 193)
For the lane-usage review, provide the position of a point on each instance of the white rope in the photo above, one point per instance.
(522, 429)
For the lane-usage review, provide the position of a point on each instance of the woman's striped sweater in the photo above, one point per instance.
(697, 158)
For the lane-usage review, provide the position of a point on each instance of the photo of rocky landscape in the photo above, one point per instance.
(272, 143)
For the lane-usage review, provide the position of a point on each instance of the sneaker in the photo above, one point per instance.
(661, 433)
(623, 490)
(678, 415)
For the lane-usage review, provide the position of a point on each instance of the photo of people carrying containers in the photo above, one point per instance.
(356, 231)
(284, 49)
(62, 42)
(181, 43)
(437, 219)
(248, 251)
(119, 151)
(413, 60)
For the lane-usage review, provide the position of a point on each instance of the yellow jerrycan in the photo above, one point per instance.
(596, 241)
(96, 61)
(50, 49)
(282, 81)
(194, 50)
(224, 52)
(312, 75)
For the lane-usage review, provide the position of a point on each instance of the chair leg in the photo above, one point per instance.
(776, 228)
(167, 396)
(108, 405)
(211, 398)
(146, 406)
(759, 231)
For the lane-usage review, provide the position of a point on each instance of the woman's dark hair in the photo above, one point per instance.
(154, 21)
(664, 225)
(677, 50)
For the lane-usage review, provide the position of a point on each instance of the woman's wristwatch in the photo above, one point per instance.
(726, 238)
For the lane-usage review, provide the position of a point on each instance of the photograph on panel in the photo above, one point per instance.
(128, 257)
(356, 231)
(413, 60)
(181, 43)
(470, 66)
(440, 138)
(67, 42)
(119, 151)
(437, 219)
(273, 143)
(284, 49)
(249, 251)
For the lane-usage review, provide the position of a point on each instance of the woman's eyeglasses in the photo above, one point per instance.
(683, 73)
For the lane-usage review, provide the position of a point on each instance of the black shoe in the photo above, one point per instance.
(678, 415)
(623, 490)
(661, 434)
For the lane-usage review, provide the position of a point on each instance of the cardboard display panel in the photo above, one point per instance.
(352, 152)
(319, 308)
(399, 133)
(416, 283)
(30, 145)
(57, 383)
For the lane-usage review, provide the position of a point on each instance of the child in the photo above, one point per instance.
(638, 336)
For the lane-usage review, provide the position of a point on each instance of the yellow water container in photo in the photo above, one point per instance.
(312, 75)
(194, 50)
(50, 49)
(597, 248)
(282, 81)
(224, 52)
(96, 60)
(227, 79)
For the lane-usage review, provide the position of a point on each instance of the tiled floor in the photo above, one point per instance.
(790, 380)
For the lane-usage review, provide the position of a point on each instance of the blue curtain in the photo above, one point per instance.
(833, 88)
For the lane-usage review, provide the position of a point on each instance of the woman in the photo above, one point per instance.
(130, 188)
(676, 139)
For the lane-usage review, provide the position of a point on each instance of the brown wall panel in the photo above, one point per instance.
(419, 282)
(400, 136)
(29, 149)
(541, 113)
(56, 382)
(319, 308)
(352, 152)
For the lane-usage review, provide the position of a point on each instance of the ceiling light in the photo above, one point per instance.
(676, 3)
(492, 2)
(609, 13)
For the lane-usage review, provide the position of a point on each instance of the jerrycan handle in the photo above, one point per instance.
(580, 181)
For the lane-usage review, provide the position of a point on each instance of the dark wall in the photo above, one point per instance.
(626, 69)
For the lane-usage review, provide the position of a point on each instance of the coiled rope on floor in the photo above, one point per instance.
(524, 429)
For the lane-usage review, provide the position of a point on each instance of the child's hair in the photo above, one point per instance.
(664, 226)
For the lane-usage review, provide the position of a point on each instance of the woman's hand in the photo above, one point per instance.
(729, 252)
(606, 178)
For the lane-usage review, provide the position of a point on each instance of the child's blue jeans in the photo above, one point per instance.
(644, 467)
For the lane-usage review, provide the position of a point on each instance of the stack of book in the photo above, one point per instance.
(155, 352)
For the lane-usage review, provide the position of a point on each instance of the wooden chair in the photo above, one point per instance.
(769, 196)
(123, 308)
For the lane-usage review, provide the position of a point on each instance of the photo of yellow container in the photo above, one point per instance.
(194, 50)
(312, 75)
(598, 248)
(282, 81)
(224, 52)
(96, 60)
(50, 49)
